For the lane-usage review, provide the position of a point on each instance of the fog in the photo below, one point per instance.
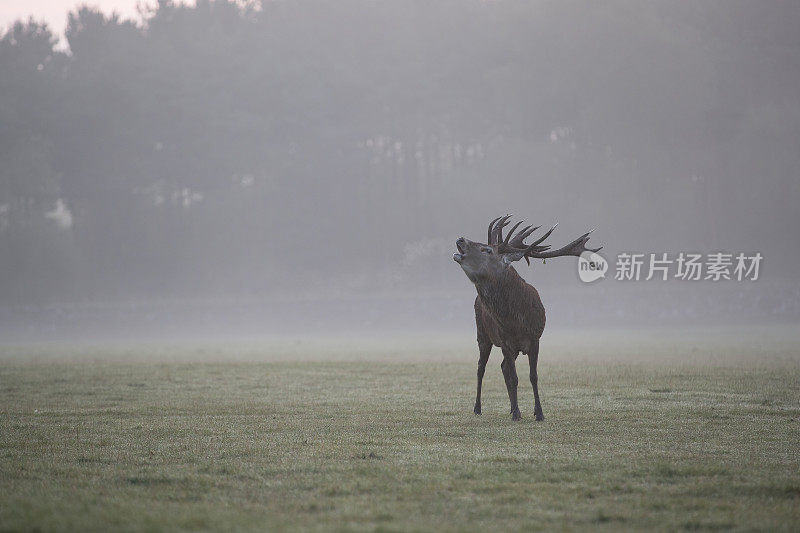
(303, 167)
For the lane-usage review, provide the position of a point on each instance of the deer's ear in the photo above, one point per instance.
(510, 258)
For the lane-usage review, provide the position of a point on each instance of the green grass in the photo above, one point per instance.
(641, 433)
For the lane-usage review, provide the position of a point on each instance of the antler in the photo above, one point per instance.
(514, 245)
(519, 238)
(576, 248)
(495, 234)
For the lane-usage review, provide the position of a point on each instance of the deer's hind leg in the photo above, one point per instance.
(510, 374)
(533, 359)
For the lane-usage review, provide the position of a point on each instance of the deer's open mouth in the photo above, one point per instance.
(460, 244)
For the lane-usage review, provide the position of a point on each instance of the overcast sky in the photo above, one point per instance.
(54, 12)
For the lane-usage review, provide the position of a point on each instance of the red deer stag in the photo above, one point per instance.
(508, 311)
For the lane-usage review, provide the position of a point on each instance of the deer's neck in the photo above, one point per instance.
(503, 295)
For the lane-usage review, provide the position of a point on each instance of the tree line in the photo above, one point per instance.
(239, 148)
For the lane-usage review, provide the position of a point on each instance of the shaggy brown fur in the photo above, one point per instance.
(508, 311)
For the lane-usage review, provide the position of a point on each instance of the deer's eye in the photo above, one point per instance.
(487, 250)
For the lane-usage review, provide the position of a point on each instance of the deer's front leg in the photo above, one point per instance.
(485, 349)
(533, 358)
(510, 374)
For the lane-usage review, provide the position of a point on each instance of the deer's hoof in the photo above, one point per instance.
(539, 415)
(477, 409)
(516, 416)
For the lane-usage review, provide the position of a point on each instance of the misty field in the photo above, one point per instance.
(667, 431)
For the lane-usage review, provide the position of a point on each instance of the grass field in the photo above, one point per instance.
(674, 430)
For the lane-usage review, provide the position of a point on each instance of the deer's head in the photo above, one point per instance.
(484, 261)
